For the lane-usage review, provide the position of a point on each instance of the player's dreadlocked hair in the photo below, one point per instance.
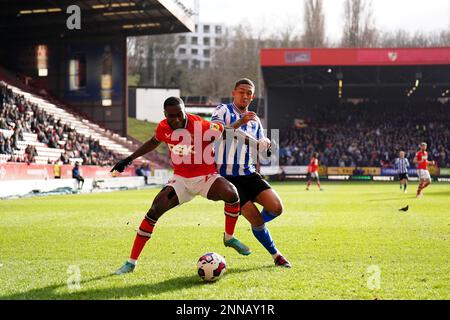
(244, 81)
(173, 101)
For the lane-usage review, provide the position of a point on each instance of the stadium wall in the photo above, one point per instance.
(19, 188)
(22, 171)
(147, 102)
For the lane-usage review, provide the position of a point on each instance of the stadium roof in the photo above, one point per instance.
(355, 57)
(46, 19)
(360, 73)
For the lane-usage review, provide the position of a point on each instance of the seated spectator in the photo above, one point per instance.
(2, 146)
(31, 153)
(141, 173)
(8, 148)
(77, 175)
(64, 158)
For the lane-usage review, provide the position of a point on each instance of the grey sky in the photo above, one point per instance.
(410, 15)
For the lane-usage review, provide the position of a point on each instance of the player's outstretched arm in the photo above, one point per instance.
(262, 144)
(147, 147)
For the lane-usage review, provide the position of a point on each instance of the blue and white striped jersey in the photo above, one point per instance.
(234, 158)
(402, 165)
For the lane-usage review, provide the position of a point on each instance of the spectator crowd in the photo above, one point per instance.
(21, 116)
(368, 134)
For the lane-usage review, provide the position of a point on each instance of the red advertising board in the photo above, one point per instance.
(355, 57)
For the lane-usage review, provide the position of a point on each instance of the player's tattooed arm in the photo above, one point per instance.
(248, 116)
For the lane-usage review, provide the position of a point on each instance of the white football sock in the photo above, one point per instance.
(228, 236)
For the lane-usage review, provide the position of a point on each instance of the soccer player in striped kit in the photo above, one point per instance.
(235, 163)
(402, 166)
(189, 138)
(421, 159)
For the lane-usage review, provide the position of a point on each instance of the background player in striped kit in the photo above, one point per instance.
(402, 166)
(235, 163)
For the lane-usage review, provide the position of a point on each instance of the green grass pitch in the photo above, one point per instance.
(348, 242)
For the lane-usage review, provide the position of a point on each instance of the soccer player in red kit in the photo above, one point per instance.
(313, 171)
(421, 159)
(189, 138)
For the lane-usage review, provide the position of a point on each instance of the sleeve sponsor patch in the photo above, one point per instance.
(216, 126)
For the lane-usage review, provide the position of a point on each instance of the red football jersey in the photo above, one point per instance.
(313, 165)
(191, 150)
(422, 157)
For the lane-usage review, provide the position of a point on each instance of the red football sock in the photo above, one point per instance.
(419, 189)
(143, 235)
(232, 211)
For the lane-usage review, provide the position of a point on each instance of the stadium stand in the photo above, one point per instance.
(34, 130)
(367, 134)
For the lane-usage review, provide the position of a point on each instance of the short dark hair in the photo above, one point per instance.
(173, 101)
(244, 81)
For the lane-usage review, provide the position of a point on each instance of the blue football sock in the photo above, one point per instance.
(268, 216)
(263, 235)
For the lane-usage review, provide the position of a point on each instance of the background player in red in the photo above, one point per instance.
(313, 171)
(421, 159)
(195, 173)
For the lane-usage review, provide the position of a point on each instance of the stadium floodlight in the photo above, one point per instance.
(417, 83)
(330, 70)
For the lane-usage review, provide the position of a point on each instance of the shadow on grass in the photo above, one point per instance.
(123, 292)
(439, 193)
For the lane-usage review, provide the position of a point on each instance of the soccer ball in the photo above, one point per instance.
(211, 266)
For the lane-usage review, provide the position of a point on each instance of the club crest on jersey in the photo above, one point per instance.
(215, 126)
